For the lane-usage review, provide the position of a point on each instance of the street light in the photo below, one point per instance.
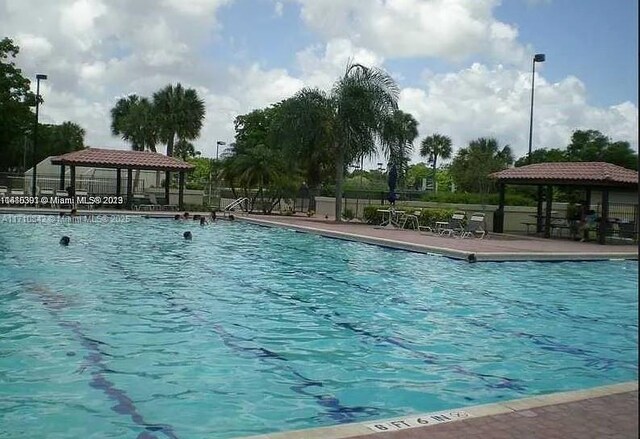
(218, 144)
(538, 57)
(35, 134)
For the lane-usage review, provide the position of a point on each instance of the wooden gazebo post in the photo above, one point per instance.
(118, 185)
(129, 187)
(181, 191)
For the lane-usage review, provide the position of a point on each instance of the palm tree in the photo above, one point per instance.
(348, 121)
(434, 146)
(472, 165)
(180, 114)
(399, 132)
(133, 118)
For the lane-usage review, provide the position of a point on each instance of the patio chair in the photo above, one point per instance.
(62, 195)
(153, 204)
(48, 193)
(410, 220)
(475, 226)
(454, 226)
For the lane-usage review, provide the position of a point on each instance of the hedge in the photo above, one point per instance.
(427, 217)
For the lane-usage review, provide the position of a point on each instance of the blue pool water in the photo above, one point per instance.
(133, 332)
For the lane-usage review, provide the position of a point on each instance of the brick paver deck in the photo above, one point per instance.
(494, 248)
(606, 417)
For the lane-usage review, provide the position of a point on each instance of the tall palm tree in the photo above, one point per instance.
(180, 114)
(348, 121)
(133, 118)
(434, 146)
(399, 131)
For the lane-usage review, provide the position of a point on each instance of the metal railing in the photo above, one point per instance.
(92, 185)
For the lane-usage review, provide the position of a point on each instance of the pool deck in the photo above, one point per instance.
(608, 412)
(493, 248)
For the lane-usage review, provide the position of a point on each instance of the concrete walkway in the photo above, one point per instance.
(606, 412)
(494, 248)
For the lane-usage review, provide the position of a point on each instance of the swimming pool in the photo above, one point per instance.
(133, 332)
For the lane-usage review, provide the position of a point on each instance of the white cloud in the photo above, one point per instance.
(482, 101)
(120, 47)
(279, 8)
(450, 29)
(322, 65)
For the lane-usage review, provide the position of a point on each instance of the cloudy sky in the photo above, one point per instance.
(463, 66)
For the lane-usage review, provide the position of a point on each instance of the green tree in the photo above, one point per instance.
(620, 153)
(185, 149)
(300, 126)
(257, 164)
(16, 118)
(179, 114)
(133, 119)
(471, 166)
(416, 173)
(543, 155)
(399, 130)
(587, 146)
(347, 121)
(59, 139)
(433, 147)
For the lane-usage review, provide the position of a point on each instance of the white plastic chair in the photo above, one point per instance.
(475, 226)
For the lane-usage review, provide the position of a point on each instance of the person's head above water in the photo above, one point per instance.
(186, 214)
(176, 216)
(203, 221)
(65, 240)
(187, 235)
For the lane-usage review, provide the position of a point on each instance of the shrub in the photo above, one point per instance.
(371, 215)
(511, 199)
(427, 217)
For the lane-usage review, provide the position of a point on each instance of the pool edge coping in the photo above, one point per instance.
(345, 431)
(444, 251)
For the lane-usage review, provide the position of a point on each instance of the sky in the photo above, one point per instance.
(463, 66)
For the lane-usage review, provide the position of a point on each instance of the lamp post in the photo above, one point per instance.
(35, 134)
(538, 57)
(218, 144)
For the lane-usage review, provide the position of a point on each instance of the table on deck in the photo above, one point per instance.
(392, 221)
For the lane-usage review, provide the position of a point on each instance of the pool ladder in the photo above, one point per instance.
(237, 203)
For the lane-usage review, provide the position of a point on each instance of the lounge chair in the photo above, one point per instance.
(455, 224)
(475, 226)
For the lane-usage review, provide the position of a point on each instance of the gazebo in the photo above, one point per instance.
(590, 176)
(119, 160)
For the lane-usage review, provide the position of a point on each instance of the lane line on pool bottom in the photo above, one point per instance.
(54, 302)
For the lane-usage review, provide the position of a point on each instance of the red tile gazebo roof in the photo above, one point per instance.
(115, 158)
(570, 173)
